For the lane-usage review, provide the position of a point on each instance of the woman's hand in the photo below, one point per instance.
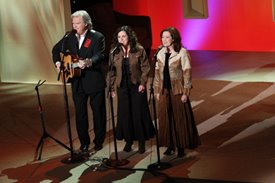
(113, 94)
(141, 88)
(157, 96)
(184, 98)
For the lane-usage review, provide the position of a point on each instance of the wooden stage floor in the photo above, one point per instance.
(233, 100)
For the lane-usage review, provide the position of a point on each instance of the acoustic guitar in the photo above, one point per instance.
(71, 68)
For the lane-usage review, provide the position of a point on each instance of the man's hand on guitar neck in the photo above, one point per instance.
(82, 64)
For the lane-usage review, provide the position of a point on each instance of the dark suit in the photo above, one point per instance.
(90, 84)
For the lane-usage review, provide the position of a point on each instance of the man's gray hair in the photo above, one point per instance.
(85, 16)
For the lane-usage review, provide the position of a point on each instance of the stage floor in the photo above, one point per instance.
(233, 101)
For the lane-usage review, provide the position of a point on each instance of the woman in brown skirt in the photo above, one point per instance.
(172, 83)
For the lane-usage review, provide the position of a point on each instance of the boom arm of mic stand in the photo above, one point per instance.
(39, 84)
(45, 134)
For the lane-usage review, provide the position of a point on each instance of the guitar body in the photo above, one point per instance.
(71, 68)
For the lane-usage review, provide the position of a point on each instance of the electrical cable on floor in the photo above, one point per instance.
(99, 163)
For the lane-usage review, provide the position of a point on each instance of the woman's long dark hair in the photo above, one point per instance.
(132, 38)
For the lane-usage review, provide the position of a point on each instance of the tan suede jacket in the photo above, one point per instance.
(138, 64)
(179, 70)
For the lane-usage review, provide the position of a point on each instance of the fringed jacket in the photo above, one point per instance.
(139, 68)
(179, 70)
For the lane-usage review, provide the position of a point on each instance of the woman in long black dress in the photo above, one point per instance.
(129, 74)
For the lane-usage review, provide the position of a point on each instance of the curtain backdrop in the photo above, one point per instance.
(29, 29)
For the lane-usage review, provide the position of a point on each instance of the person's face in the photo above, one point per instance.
(122, 38)
(79, 25)
(166, 39)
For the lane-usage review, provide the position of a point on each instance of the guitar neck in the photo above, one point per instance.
(74, 65)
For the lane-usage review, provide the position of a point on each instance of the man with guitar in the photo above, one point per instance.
(80, 55)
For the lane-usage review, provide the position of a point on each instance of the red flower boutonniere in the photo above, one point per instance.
(87, 43)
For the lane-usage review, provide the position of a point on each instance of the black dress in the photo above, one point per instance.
(133, 116)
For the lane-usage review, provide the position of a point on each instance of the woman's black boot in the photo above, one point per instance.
(128, 146)
(181, 152)
(141, 147)
(169, 151)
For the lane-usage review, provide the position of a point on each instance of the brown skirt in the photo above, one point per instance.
(177, 126)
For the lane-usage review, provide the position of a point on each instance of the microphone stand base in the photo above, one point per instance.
(115, 163)
(159, 166)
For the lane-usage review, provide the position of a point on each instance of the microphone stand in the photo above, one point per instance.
(74, 157)
(171, 117)
(113, 162)
(158, 165)
(45, 133)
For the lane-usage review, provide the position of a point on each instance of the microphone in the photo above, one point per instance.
(156, 53)
(115, 48)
